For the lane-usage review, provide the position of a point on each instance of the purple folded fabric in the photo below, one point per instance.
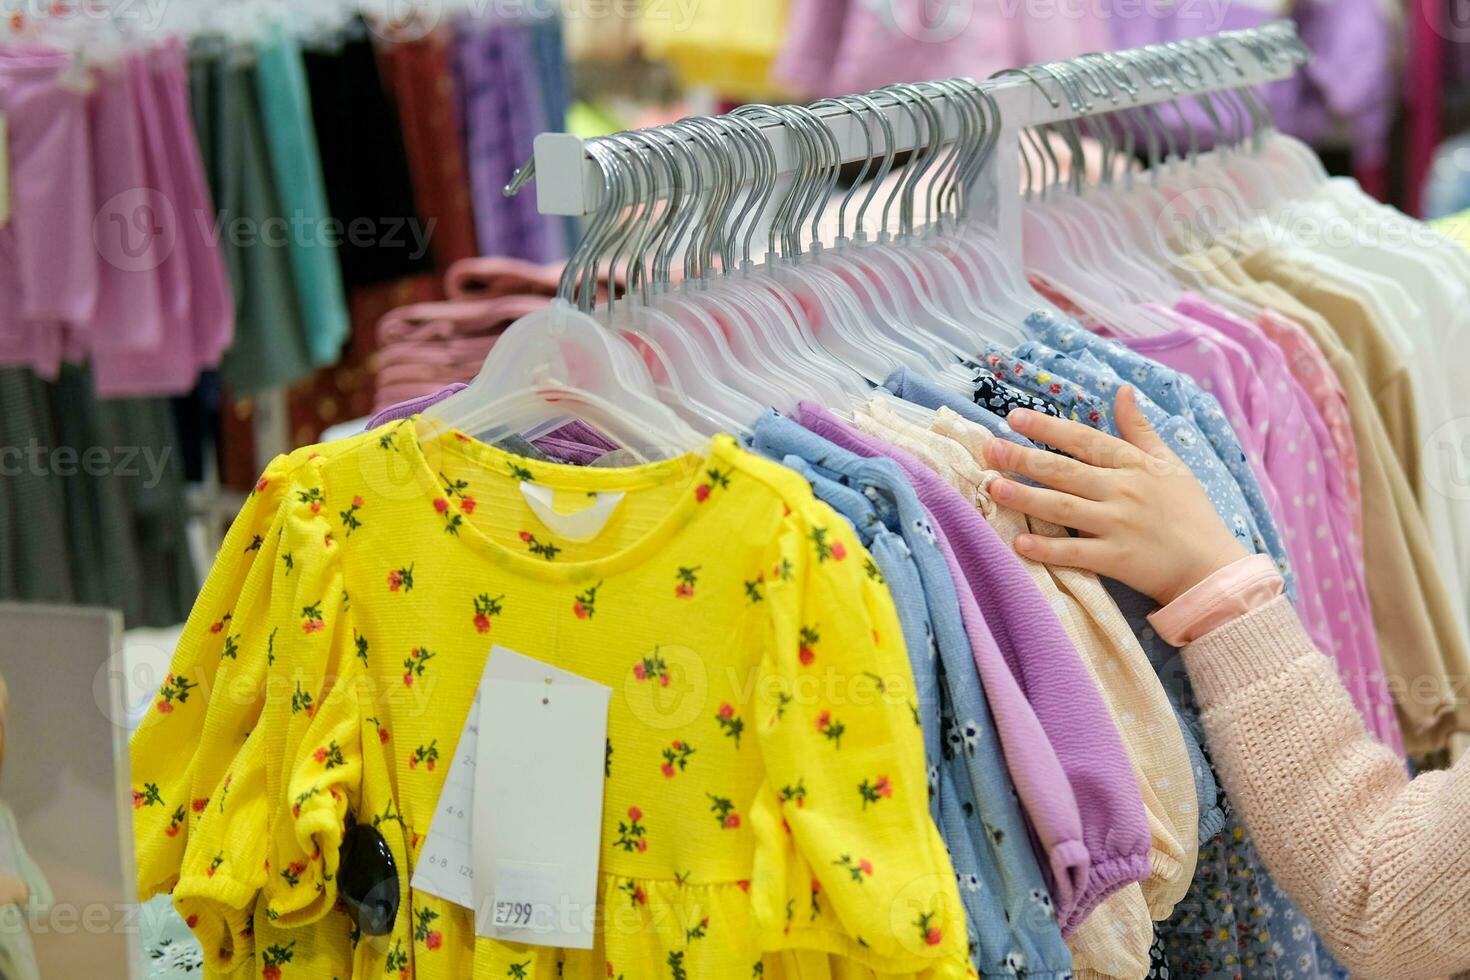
(1043, 661)
(576, 442)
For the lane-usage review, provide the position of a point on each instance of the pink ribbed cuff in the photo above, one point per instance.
(1243, 585)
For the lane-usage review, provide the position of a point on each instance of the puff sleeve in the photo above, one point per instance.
(845, 827)
(211, 698)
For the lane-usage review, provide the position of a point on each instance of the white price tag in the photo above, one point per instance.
(445, 867)
(537, 810)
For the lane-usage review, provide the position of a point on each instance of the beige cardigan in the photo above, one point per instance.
(1380, 864)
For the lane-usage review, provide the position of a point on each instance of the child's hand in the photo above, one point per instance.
(1143, 517)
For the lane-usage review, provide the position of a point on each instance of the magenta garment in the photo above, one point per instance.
(1040, 656)
(1290, 448)
(48, 264)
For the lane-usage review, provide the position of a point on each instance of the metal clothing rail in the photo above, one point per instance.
(569, 182)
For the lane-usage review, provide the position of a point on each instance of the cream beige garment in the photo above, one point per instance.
(1424, 655)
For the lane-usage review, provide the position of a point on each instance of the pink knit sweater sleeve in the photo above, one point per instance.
(1378, 862)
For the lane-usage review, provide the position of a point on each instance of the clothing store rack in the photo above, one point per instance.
(569, 181)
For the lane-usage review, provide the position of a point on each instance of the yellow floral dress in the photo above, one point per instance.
(765, 804)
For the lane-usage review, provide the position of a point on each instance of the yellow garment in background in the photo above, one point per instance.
(725, 46)
(766, 803)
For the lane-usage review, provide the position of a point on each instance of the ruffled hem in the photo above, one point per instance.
(712, 931)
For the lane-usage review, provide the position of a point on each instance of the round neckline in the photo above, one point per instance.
(497, 463)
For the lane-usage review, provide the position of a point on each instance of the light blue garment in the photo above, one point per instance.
(921, 391)
(285, 103)
(1178, 394)
(1039, 368)
(1012, 924)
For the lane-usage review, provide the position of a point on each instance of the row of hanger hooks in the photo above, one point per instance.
(696, 194)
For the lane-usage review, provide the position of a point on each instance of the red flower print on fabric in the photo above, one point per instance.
(174, 689)
(311, 618)
(632, 835)
(875, 790)
(425, 755)
(928, 931)
(807, 641)
(724, 810)
(731, 725)
(795, 794)
(831, 727)
(422, 928)
(401, 579)
(635, 893)
(860, 869)
(175, 822)
(147, 797)
(293, 872)
(544, 549)
(329, 755)
(396, 962)
(413, 665)
(676, 758)
(685, 579)
(715, 479)
(486, 608)
(652, 667)
(585, 604)
(834, 550)
(350, 520)
(313, 498)
(274, 958)
(302, 799)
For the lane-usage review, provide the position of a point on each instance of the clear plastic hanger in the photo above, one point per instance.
(1007, 288)
(869, 273)
(776, 311)
(560, 362)
(783, 350)
(838, 320)
(691, 379)
(742, 361)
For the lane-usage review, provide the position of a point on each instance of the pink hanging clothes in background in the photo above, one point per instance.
(48, 265)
